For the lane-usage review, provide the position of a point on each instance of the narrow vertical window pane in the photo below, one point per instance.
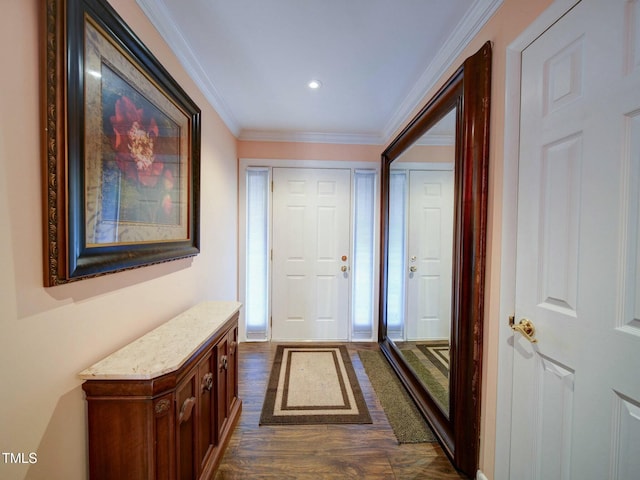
(257, 262)
(396, 259)
(363, 256)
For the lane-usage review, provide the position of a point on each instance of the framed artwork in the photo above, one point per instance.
(121, 147)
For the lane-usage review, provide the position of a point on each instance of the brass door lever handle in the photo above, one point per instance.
(525, 327)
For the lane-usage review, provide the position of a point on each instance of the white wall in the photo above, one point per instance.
(47, 335)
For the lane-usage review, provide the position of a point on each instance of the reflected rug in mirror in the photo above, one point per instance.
(313, 384)
(438, 353)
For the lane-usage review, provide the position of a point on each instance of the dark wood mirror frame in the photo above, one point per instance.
(468, 90)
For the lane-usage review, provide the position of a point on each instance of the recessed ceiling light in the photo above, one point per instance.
(314, 84)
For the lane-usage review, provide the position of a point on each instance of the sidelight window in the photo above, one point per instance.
(257, 254)
(397, 254)
(364, 221)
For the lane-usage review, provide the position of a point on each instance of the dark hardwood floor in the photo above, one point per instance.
(321, 451)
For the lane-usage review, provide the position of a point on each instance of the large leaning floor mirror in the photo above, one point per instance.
(434, 197)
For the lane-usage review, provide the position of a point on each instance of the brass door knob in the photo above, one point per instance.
(344, 268)
(525, 327)
(413, 268)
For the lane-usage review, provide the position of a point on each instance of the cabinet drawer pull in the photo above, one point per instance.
(224, 363)
(185, 411)
(207, 382)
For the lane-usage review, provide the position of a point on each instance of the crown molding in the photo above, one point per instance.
(159, 16)
(466, 30)
(474, 20)
(311, 137)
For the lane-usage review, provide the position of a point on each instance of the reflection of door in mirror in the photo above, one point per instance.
(421, 198)
(463, 102)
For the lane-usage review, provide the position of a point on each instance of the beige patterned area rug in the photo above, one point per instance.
(313, 384)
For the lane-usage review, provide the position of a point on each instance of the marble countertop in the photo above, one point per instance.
(167, 347)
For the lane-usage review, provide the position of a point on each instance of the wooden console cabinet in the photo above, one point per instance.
(165, 406)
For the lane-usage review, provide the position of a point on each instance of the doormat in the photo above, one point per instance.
(313, 384)
(406, 421)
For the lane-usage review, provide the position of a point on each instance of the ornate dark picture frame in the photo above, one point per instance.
(121, 145)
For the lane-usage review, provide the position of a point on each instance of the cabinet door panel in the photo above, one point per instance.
(124, 423)
(164, 426)
(206, 407)
(232, 370)
(222, 395)
(186, 431)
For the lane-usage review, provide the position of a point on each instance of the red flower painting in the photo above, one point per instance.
(134, 143)
(144, 149)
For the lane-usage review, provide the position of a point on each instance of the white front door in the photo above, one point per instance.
(310, 273)
(430, 244)
(576, 392)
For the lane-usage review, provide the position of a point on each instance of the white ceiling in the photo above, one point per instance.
(376, 60)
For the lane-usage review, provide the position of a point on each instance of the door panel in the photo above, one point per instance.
(310, 291)
(559, 207)
(630, 319)
(626, 437)
(554, 410)
(574, 390)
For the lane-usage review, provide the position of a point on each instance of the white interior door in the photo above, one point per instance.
(310, 271)
(430, 244)
(576, 392)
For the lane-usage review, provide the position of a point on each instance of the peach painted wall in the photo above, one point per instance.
(429, 154)
(47, 335)
(309, 151)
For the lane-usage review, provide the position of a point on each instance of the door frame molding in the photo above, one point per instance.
(270, 163)
(509, 227)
